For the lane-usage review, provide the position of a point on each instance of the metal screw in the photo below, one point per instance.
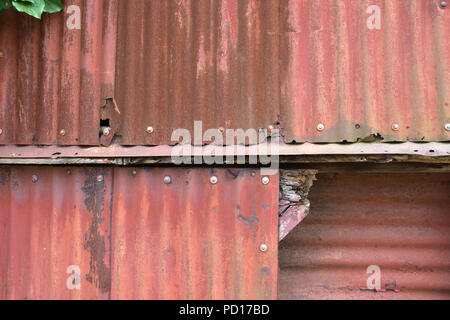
(34, 178)
(106, 131)
(447, 126)
(62, 132)
(320, 127)
(443, 4)
(265, 180)
(263, 247)
(149, 129)
(395, 127)
(213, 179)
(99, 178)
(167, 180)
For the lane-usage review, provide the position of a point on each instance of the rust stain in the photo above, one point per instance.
(94, 241)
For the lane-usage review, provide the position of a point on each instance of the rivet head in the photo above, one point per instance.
(221, 130)
(320, 127)
(213, 180)
(263, 247)
(447, 126)
(167, 179)
(270, 128)
(106, 131)
(34, 178)
(1, 131)
(395, 127)
(99, 178)
(1, 54)
(133, 172)
(443, 4)
(69, 172)
(265, 180)
(62, 132)
(149, 129)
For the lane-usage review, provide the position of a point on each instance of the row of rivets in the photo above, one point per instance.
(320, 127)
(213, 180)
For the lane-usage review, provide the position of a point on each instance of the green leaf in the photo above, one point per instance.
(32, 7)
(53, 6)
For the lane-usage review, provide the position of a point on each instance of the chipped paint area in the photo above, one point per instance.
(294, 204)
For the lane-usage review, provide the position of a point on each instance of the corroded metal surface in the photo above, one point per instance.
(125, 233)
(193, 239)
(392, 82)
(180, 61)
(54, 79)
(399, 222)
(312, 68)
(54, 233)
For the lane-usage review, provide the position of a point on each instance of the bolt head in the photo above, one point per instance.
(106, 131)
(395, 127)
(213, 180)
(443, 4)
(320, 127)
(99, 178)
(150, 129)
(265, 180)
(167, 179)
(62, 132)
(447, 126)
(34, 178)
(263, 247)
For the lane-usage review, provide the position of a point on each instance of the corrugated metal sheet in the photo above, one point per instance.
(53, 80)
(133, 236)
(249, 64)
(358, 81)
(53, 221)
(292, 64)
(399, 222)
(193, 239)
(180, 61)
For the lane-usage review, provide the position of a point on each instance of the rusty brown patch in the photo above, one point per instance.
(94, 242)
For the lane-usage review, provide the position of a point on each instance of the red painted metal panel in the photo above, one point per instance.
(180, 61)
(193, 239)
(54, 221)
(358, 81)
(133, 236)
(399, 222)
(53, 80)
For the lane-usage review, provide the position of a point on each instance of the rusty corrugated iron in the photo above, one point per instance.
(296, 65)
(180, 61)
(392, 83)
(54, 79)
(399, 222)
(54, 232)
(130, 235)
(251, 64)
(192, 239)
